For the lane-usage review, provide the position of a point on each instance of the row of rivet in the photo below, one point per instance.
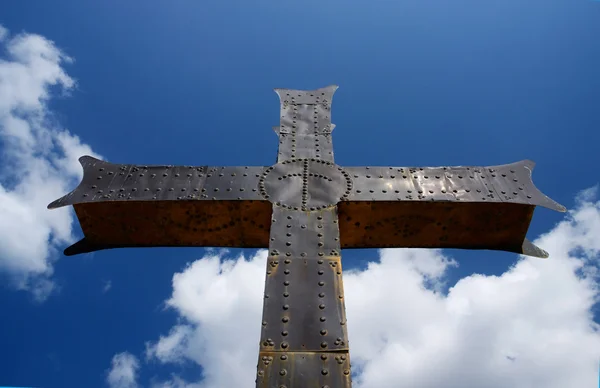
(427, 177)
(340, 359)
(285, 319)
(304, 184)
(309, 174)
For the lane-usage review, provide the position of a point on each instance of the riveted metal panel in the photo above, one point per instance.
(305, 184)
(506, 183)
(303, 234)
(304, 306)
(301, 370)
(103, 181)
(305, 124)
(232, 183)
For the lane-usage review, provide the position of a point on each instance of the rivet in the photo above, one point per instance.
(282, 372)
(321, 295)
(284, 333)
(286, 294)
(322, 306)
(322, 319)
(323, 345)
(321, 283)
(320, 261)
(285, 319)
(323, 332)
(286, 306)
(324, 371)
(283, 357)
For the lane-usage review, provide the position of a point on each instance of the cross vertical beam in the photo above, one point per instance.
(304, 340)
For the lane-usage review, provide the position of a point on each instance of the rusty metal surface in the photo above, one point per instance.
(304, 307)
(305, 208)
(301, 370)
(429, 224)
(191, 223)
(304, 234)
(442, 207)
(303, 312)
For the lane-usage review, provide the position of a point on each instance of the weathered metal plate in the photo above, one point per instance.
(103, 181)
(442, 207)
(304, 234)
(305, 184)
(305, 125)
(304, 305)
(302, 370)
(509, 183)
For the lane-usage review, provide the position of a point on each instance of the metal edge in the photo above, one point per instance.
(62, 201)
(546, 201)
(530, 249)
(83, 246)
(330, 88)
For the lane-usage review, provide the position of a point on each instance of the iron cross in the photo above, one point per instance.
(305, 208)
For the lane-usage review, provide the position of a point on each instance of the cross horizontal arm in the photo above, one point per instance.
(505, 183)
(125, 205)
(442, 207)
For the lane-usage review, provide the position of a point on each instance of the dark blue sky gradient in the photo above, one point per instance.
(422, 82)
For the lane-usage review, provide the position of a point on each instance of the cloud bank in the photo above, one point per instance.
(532, 326)
(123, 372)
(38, 161)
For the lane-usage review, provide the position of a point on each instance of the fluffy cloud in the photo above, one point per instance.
(123, 373)
(222, 301)
(39, 161)
(532, 326)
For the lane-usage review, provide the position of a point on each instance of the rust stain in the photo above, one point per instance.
(481, 225)
(176, 223)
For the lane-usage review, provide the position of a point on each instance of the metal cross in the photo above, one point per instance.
(305, 208)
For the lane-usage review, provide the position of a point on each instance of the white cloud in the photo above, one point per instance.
(3, 33)
(39, 161)
(107, 286)
(532, 326)
(123, 373)
(225, 298)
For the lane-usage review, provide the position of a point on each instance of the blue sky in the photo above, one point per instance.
(422, 83)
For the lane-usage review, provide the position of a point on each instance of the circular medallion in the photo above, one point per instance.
(305, 184)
